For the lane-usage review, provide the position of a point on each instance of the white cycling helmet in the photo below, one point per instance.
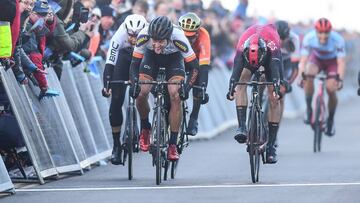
(134, 23)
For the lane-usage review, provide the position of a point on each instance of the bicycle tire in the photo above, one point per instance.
(317, 126)
(254, 154)
(130, 143)
(158, 146)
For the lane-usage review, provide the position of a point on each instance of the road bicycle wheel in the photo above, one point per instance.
(158, 144)
(318, 126)
(130, 143)
(253, 150)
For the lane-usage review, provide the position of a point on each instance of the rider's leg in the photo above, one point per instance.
(331, 88)
(241, 101)
(175, 109)
(144, 109)
(121, 72)
(197, 100)
(147, 72)
(311, 69)
(274, 117)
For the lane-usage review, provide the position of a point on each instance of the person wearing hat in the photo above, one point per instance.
(106, 23)
(41, 23)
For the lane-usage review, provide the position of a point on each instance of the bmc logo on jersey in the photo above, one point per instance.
(141, 40)
(181, 46)
(272, 46)
(113, 51)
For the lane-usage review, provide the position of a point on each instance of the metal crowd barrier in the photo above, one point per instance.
(5, 182)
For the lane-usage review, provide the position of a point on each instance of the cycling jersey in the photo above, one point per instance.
(117, 42)
(273, 64)
(202, 47)
(335, 46)
(177, 43)
(293, 55)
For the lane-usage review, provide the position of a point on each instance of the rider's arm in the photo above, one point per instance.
(116, 43)
(193, 66)
(341, 67)
(204, 57)
(276, 66)
(238, 66)
(134, 67)
(341, 54)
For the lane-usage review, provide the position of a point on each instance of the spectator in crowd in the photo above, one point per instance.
(34, 41)
(140, 7)
(106, 22)
(61, 42)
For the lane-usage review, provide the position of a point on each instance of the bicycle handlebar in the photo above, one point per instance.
(254, 83)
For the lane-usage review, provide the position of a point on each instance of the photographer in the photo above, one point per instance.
(61, 42)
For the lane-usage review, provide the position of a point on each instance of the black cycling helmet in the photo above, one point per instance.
(160, 28)
(283, 29)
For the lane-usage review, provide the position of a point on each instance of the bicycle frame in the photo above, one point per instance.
(257, 132)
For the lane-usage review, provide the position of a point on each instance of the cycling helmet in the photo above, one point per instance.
(323, 25)
(134, 23)
(283, 29)
(190, 23)
(160, 28)
(255, 50)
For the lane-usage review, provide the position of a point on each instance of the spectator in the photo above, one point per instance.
(140, 7)
(106, 22)
(35, 41)
(61, 42)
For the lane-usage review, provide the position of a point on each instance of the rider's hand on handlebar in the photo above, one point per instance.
(106, 92)
(135, 89)
(184, 92)
(277, 93)
(230, 94)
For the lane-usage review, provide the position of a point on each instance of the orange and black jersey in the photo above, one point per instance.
(202, 47)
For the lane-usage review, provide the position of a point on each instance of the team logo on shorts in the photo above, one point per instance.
(181, 46)
(141, 40)
(272, 46)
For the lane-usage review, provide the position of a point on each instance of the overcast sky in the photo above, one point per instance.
(342, 13)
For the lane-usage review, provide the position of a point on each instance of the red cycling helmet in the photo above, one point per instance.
(323, 25)
(255, 50)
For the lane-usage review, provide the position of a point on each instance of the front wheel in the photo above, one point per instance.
(253, 149)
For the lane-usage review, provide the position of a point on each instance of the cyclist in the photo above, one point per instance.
(323, 49)
(199, 39)
(290, 51)
(162, 44)
(258, 46)
(117, 68)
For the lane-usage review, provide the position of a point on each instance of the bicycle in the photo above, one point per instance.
(257, 131)
(318, 119)
(160, 128)
(130, 137)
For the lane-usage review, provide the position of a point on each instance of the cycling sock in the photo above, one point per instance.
(273, 129)
(116, 139)
(196, 108)
(145, 124)
(241, 115)
(173, 137)
(331, 113)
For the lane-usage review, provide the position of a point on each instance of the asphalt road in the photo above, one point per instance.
(217, 170)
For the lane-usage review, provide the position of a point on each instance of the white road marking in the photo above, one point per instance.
(189, 187)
